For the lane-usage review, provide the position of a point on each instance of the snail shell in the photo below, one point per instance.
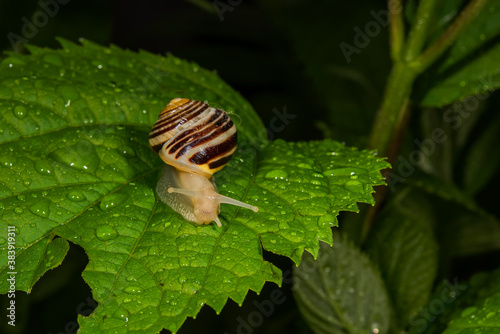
(195, 141)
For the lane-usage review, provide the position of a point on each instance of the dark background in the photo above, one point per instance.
(277, 54)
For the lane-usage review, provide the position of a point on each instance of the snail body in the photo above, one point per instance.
(195, 141)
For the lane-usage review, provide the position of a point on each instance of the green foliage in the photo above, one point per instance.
(342, 291)
(471, 64)
(76, 167)
(461, 302)
(482, 319)
(438, 210)
(404, 250)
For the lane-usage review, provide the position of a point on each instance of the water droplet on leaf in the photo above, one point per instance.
(41, 208)
(327, 219)
(75, 196)
(20, 112)
(106, 233)
(153, 250)
(354, 186)
(112, 201)
(132, 290)
(276, 174)
(43, 167)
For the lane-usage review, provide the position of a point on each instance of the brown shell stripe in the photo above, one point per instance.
(218, 155)
(164, 129)
(200, 134)
(213, 141)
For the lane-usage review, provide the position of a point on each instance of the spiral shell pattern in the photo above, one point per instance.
(194, 137)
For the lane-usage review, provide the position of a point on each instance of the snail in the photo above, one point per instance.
(195, 141)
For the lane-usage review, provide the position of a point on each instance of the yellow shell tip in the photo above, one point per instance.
(175, 103)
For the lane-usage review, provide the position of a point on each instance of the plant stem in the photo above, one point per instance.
(418, 33)
(449, 36)
(396, 28)
(393, 109)
(393, 114)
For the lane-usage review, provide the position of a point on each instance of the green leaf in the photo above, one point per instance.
(403, 248)
(76, 164)
(450, 298)
(444, 190)
(477, 79)
(446, 12)
(471, 65)
(484, 28)
(484, 318)
(342, 291)
(483, 158)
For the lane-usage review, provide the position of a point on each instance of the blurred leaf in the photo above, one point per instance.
(76, 164)
(404, 249)
(342, 292)
(444, 190)
(436, 146)
(468, 234)
(475, 79)
(472, 65)
(483, 29)
(483, 158)
(446, 12)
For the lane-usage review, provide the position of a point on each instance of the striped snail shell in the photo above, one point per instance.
(195, 141)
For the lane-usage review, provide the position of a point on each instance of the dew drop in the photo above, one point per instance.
(128, 151)
(132, 290)
(190, 287)
(8, 160)
(283, 225)
(112, 201)
(106, 233)
(276, 174)
(82, 155)
(327, 219)
(18, 210)
(76, 196)
(354, 186)
(20, 112)
(41, 208)
(303, 165)
(153, 250)
(43, 167)
(121, 314)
